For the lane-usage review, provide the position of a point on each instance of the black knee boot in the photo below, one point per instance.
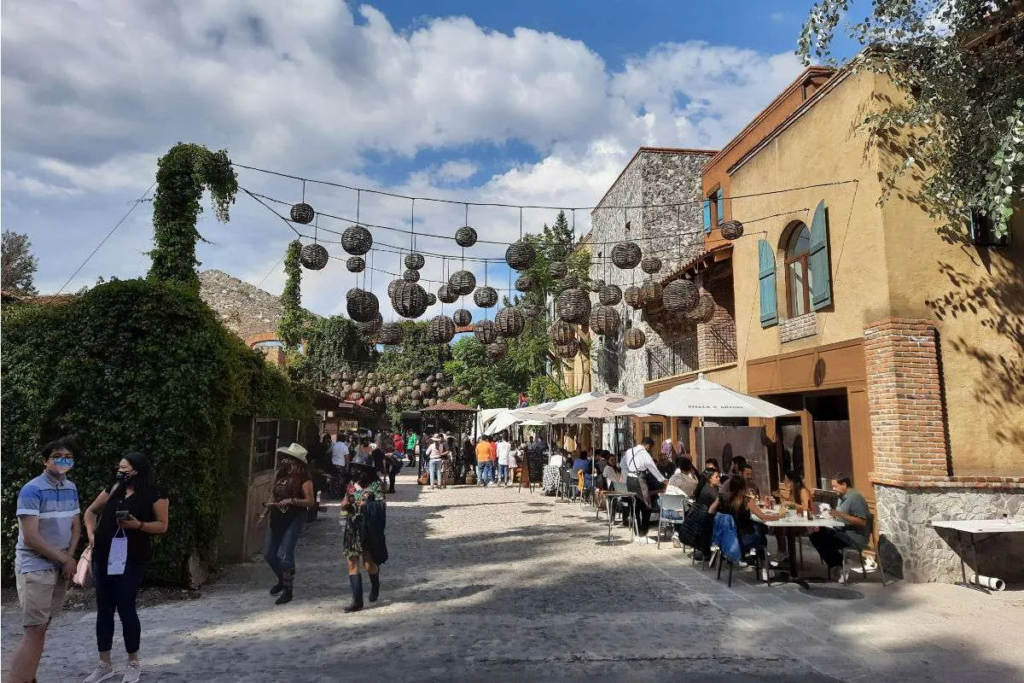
(375, 586)
(287, 579)
(355, 581)
(279, 586)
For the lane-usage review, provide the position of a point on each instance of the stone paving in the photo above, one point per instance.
(501, 585)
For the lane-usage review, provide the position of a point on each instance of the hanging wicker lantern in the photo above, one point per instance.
(520, 255)
(411, 275)
(533, 310)
(605, 320)
(632, 296)
(392, 286)
(704, 310)
(462, 317)
(372, 328)
(363, 306)
(570, 282)
(355, 264)
(485, 332)
(414, 261)
(558, 270)
(356, 240)
(431, 299)
(650, 293)
(313, 256)
(626, 255)
(440, 330)
(573, 305)
(596, 286)
(409, 300)
(567, 351)
(415, 395)
(465, 237)
(610, 295)
(732, 230)
(446, 295)
(650, 264)
(497, 349)
(524, 283)
(680, 296)
(562, 332)
(634, 339)
(302, 213)
(462, 282)
(485, 297)
(510, 322)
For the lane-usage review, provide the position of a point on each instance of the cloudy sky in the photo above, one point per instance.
(531, 102)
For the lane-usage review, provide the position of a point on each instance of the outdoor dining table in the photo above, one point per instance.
(973, 527)
(791, 524)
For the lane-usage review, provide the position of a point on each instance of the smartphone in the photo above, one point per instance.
(122, 515)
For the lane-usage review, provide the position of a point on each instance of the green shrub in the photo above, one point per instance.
(134, 365)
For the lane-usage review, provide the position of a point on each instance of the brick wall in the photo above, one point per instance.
(905, 400)
(800, 327)
(716, 339)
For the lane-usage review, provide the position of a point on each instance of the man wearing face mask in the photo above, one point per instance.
(48, 531)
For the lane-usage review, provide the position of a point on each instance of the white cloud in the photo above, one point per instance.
(91, 99)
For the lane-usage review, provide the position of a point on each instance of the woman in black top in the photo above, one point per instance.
(130, 510)
(291, 496)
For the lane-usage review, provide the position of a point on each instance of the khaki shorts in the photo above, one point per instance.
(41, 595)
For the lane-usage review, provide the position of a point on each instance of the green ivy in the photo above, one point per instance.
(135, 365)
(292, 315)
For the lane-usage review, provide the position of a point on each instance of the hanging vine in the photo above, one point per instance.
(183, 174)
(292, 315)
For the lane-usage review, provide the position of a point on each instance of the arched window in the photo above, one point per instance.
(798, 275)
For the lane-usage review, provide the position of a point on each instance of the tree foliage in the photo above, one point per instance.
(415, 357)
(289, 329)
(333, 345)
(183, 175)
(19, 265)
(960, 66)
(135, 365)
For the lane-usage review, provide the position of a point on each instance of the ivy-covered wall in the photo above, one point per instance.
(134, 365)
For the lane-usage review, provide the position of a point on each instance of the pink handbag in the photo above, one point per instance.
(83, 574)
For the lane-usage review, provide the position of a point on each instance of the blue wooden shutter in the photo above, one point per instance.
(766, 279)
(707, 215)
(719, 206)
(818, 261)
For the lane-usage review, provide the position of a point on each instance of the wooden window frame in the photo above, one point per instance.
(801, 258)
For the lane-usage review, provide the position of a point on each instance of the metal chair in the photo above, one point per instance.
(617, 494)
(670, 502)
(844, 571)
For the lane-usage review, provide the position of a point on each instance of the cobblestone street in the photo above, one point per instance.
(497, 584)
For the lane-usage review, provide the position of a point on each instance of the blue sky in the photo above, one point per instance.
(525, 103)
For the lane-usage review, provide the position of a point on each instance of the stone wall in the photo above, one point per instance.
(800, 327)
(244, 309)
(674, 234)
(911, 548)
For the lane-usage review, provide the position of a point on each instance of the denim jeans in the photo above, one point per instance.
(281, 539)
(435, 471)
(503, 473)
(485, 472)
(117, 594)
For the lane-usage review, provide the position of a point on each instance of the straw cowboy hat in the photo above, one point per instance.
(294, 451)
(437, 437)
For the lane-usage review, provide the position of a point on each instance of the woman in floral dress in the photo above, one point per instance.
(364, 515)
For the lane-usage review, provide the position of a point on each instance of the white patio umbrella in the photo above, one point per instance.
(501, 422)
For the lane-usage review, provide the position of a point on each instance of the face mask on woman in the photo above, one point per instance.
(124, 477)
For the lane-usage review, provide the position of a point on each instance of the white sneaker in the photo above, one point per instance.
(132, 672)
(676, 543)
(643, 540)
(102, 672)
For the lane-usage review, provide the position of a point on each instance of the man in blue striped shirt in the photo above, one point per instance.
(48, 529)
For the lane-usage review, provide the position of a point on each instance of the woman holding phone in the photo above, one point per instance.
(119, 524)
(291, 496)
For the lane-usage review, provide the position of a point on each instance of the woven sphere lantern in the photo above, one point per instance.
(372, 328)
(302, 213)
(558, 270)
(440, 330)
(732, 230)
(355, 264)
(610, 295)
(573, 306)
(462, 317)
(446, 295)
(363, 306)
(485, 332)
(313, 256)
(634, 339)
(520, 255)
(562, 332)
(462, 282)
(650, 293)
(704, 310)
(485, 297)
(415, 395)
(632, 296)
(414, 261)
(567, 351)
(497, 349)
(570, 282)
(465, 237)
(626, 255)
(680, 296)
(392, 286)
(533, 310)
(650, 265)
(431, 299)
(596, 286)
(411, 275)
(510, 322)
(605, 320)
(409, 300)
(524, 283)
(356, 240)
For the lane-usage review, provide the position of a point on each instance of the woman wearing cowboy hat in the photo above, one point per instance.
(437, 451)
(291, 496)
(363, 514)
